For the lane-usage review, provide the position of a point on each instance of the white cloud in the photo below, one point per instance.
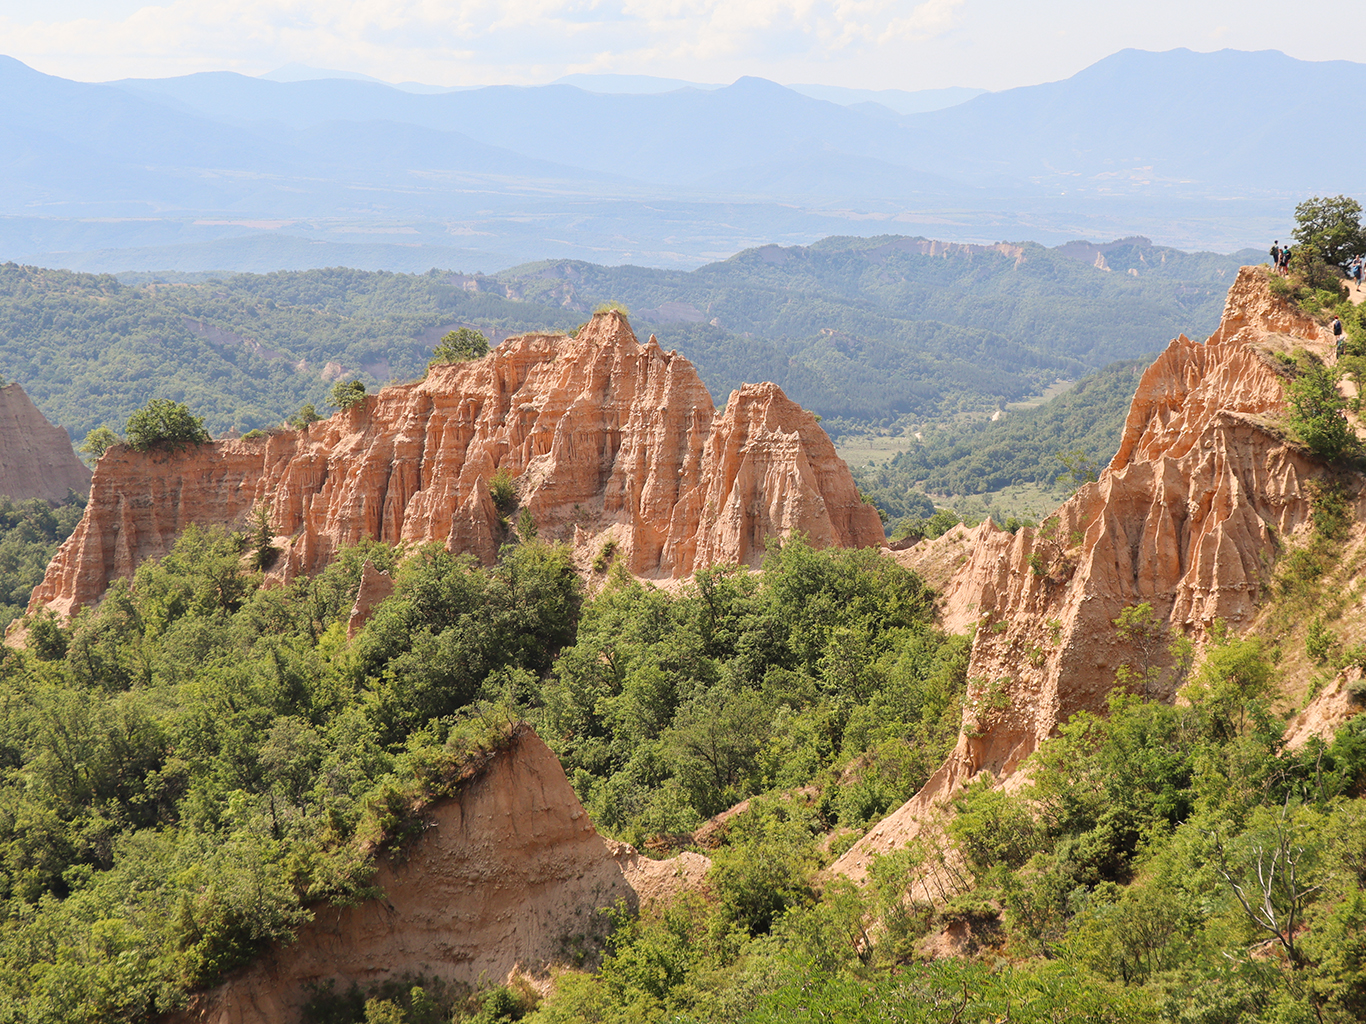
(408, 39)
(872, 43)
(927, 20)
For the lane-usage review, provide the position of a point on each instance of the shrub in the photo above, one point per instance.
(1316, 413)
(347, 393)
(526, 525)
(503, 491)
(1319, 641)
(460, 347)
(603, 559)
(162, 423)
(306, 415)
(97, 442)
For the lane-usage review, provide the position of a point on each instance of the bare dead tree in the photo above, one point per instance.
(1271, 888)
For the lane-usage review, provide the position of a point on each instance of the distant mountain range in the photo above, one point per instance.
(898, 101)
(219, 171)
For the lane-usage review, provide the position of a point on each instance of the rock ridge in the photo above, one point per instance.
(1186, 517)
(607, 439)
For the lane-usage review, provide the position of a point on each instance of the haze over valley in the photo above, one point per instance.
(219, 171)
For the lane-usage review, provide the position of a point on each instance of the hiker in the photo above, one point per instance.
(1337, 334)
(1276, 255)
(1285, 261)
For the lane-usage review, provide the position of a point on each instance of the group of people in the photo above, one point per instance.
(1280, 263)
(1280, 258)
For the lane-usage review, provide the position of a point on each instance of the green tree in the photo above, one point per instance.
(97, 442)
(503, 491)
(1332, 225)
(1079, 466)
(1316, 413)
(264, 551)
(346, 393)
(162, 423)
(1143, 629)
(306, 415)
(460, 347)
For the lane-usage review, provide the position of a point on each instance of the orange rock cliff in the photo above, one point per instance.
(606, 438)
(36, 460)
(1185, 518)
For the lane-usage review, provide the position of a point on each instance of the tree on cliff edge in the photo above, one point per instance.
(460, 347)
(162, 423)
(1333, 226)
(346, 393)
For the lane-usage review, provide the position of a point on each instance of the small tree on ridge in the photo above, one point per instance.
(162, 423)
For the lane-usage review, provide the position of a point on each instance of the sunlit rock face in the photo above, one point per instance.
(1185, 518)
(605, 438)
(36, 460)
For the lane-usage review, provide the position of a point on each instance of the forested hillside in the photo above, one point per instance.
(195, 764)
(859, 330)
(976, 457)
(30, 533)
(871, 329)
(199, 765)
(243, 352)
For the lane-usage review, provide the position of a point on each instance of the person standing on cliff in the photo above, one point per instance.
(1276, 255)
(1337, 335)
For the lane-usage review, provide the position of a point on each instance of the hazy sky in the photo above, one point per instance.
(903, 44)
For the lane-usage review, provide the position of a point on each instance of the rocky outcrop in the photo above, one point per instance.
(1186, 518)
(507, 876)
(36, 460)
(1339, 702)
(606, 439)
(374, 587)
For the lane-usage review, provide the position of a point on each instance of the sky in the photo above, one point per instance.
(869, 44)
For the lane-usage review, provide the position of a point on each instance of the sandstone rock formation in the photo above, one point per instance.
(374, 587)
(1186, 517)
(1336, 704)
(508, 876)
(606, 438)
(36, 460)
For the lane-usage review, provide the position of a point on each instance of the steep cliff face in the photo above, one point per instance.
(508, 875)
(606, 438)
(36, 460)
(1185, 517)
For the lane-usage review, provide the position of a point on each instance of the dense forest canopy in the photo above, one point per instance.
(196, 766)
(859, 330)
(195, 763)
